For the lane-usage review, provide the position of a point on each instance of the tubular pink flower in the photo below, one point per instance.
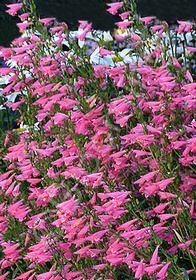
(13, 8)
(147, 20)
(155, 259)
(46, 21)
(23, 25)
(140, 270)
(163, 272)
(114, 7)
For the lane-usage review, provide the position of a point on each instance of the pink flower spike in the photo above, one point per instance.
(164, 217)
(124, 15)
(23, 25)
(151, 269)
(45, 276)
(163, 272)
(188, 76)
(46, 21)
(10, 251)
(6, 140)
(155, 259)
(82, 36)
(123, 24)
(104, 52)
(135, 37)
(191, 49)
(127, 224)
(140, 270)
(166, 195)
(160, 208)
(83, 24)
(114, 7)
(120, 38)
(123, 121)
(24, 275)
(176, 63)
(13, 8)
(159, 27)
(2, 277)
(184, 26)
(147, 20)
(23, 17)
(6, 70)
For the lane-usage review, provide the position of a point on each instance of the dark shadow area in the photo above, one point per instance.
(70, 11)
(170, 10)
(8, 28)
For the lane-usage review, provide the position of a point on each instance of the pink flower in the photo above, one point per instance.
(190, 49)
(166, 195)
(104, 52)
(188, 76)
(127, 224)
(36, 222)
(5, 183)
(10, 251)
(151, 269)
(123, 24)
(45, 152)
(176, 63)
(120, 38)
(159, 27)
(18, 211)
(164, 217)
(45, 276)
(124, 15)
(32, 277)
(23, 25)
(39, 252)
(114, 7)
(46, 21)
(140, 270)
(121, 81)
(163, 272)
(145, 178)
(160, 207)
(83, 24)
(83, 251)
(6, 140)
(95, 237)
(147, 20)
(155, 259)
(135, 37)
(24, 275)
(6, 70)
(23, 17)
(72, 274)
(6, 53)
(82, 35)
(13, 8)
(184, 26)
(59, 118)
(2, 277)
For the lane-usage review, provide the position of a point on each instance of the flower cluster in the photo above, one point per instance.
(101, 183)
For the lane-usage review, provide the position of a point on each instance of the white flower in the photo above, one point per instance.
(96, 58)
(25, 128)
(5, 80)
(12, 97)
(2, 108)
(107, 36)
